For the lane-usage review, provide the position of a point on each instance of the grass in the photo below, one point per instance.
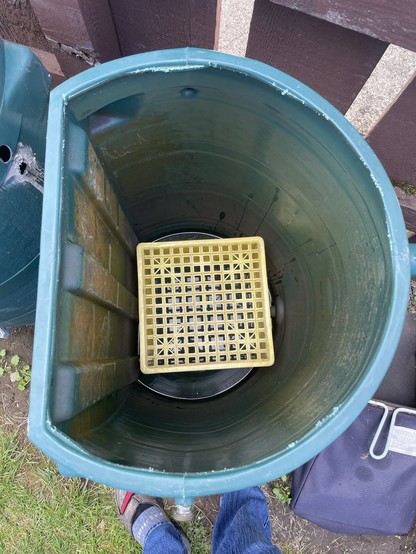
(198, 536)
(44, 513)
(282, 490)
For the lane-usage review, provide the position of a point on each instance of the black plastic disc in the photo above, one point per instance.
(193, 385)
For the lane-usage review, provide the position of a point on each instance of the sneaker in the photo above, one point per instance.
(147, 510)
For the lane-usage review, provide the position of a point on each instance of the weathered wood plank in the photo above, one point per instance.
(80, 33)
(49, 61)
(98, 20)
(144, 25)
(51, 64)
(64, 25)
(394, 137)
(389, 20)
(71, 60)
(18, 23)
(408, 205)
(334, 61)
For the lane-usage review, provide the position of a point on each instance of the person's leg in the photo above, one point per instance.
(163, 538)
(243, 525)
(145, 519)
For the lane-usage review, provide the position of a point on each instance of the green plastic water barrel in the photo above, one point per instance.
(197, 141)
(24, 85)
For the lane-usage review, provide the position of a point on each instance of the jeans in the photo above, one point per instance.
(242, 527)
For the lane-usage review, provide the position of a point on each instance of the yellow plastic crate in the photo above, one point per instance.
(203, 305)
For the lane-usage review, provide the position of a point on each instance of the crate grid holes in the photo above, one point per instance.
(203, 305)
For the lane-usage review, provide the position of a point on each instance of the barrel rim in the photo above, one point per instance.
(72, 459)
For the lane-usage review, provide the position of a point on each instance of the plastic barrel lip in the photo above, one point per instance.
(185, 486)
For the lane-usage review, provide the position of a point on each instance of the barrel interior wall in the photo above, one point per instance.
(217, 151)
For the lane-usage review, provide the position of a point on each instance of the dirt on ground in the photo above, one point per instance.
(293, 534)
(14, 404)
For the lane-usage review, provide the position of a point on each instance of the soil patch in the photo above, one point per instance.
(14, 404)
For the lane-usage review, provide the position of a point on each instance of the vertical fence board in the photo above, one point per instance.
(80, 33)
(64, 25)
(70, 63)
(408, 205)
(98, 20)
(334, 61)
(19, 24)
(394, 137)
(144, 25)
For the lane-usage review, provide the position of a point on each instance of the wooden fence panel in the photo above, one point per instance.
(144, 25)
(394, 138)
(19, 24)
(327, 44)
(408, 205)
(98, 20)
(334, 61)
(389, 20)
(80, 33)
